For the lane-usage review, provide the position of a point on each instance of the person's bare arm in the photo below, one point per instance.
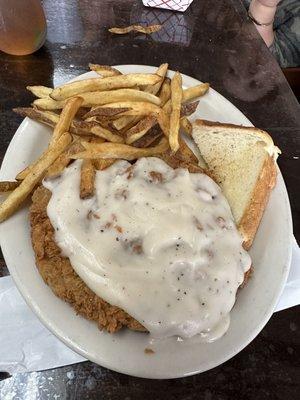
(263, 11)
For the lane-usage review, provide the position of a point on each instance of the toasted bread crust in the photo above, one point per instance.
(258, 132)
(260, 196)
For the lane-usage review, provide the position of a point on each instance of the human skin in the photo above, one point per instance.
(264, 11)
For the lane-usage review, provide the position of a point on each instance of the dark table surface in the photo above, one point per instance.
(215, 42)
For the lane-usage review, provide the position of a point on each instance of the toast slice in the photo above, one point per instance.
(242, 160)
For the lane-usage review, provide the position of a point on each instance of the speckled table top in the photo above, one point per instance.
(214, 42)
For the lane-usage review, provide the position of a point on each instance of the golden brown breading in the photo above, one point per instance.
(58, 273)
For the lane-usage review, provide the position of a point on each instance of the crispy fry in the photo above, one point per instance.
(161, 71)
(185, 154)
(127, 122)
(106, 134)
(46, 117)
(140, 108)
(164, 95)
(103, 84)
(133, 108)
(46, 103)
(8, 186)
(186, 126)
(174, 162)
(81, 128)
(51, 119)
(87, 179)
(135, 123)
(136, 28)
(92, 99)
(150, 137)
(22, 174)
(189, 94)
(58, 166)
(123, 151)
(91, 139)
(63, 123)
(39, 91)
(188, 109)
(176, 98)
(165, 92)
(104, 70)
(107, 113)
(15, 199)
(64, 159)
(103, 163)
(140, 129)
(65, 119)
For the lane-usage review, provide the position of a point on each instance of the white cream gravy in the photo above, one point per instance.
(159, 243)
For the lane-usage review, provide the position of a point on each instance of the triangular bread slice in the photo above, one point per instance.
(242, 160)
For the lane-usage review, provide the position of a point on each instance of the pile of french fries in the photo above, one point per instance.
(103, 119)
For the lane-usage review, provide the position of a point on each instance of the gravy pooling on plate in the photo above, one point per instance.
(159, 243)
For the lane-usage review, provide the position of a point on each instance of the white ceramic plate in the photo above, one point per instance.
(124, 351)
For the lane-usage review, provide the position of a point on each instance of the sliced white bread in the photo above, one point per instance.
(242, 160)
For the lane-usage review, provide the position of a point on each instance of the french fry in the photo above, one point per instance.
(136, 28)
(102, 84)
(185, 154)
(127, 122)
(64, 159)
(92, 99)
(140, 109)
(164, 96)
(46, 117)
(188, 109)
(22, 174)
(133, 108)
(51, 119)
(104, 70)
(16, 198)
(176, 98)
(92, 139)
(8, 186)
(123, 151)
(46, 103)
(161, 71)
(40, 91)
(58, 166)
(189, 94)
(150, 137)
(87, 179)
(140, 129)
(174, 162)
(103, 163)
(186, 126)
(108, 113)
(63, 123)
(165, 92)
(141, 124)
(106, 134)
(66, 117)
(81, 128)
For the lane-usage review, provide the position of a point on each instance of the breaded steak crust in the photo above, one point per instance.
(59, 274)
